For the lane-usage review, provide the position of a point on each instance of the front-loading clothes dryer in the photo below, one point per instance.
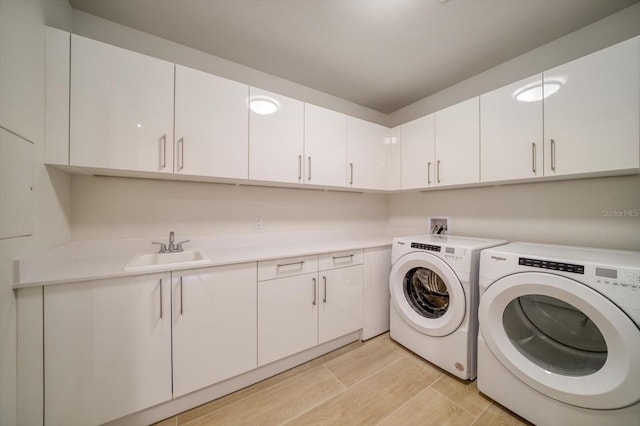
(433, 287)
(559, 340)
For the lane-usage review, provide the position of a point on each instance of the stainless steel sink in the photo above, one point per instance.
(166, 260)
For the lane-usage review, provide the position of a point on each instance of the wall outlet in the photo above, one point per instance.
(258, 222)
(439, 225)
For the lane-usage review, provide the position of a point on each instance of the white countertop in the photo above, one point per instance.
(92, 260)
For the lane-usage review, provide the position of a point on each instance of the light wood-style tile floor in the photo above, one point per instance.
(373, 383)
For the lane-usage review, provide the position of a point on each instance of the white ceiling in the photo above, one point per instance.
(382, 54)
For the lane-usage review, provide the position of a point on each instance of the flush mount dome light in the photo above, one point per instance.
(537, 92)
(263, 105)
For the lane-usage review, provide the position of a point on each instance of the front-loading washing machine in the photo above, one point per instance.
(434, 297)
(559, 340)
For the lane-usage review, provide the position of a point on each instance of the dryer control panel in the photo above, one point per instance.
(423, 246)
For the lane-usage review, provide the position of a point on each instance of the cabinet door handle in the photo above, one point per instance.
(533, 157)
(429, 172)
(351, 178)
(438, 171)
(280, 265)
(181, 298)
(309, 169)
(343, 257)
(181, 145)
(161, 298)
(299, 167)
(315, 290)
(553, 155)
(325, 289)
(163, 156)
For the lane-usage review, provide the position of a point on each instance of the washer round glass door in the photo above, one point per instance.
(563, 339)
(427, 294)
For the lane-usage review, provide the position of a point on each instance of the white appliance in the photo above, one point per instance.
(559, 340)
(434, 298)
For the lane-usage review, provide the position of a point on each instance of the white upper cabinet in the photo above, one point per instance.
(591, 124)
(212, 125)
(57, 60)
(367, 154)
(458, 144)
(206, 350)
(418, 149)
(276, 140)
(511, 133)
(394, 165)
(325, 146)
(121, 108)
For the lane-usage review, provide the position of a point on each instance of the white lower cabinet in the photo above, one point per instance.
(340, 302)
(110, 345)
(107, 348)
(308, 307)
(214, 325)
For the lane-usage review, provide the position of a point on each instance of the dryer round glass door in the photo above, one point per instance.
(563, 339)
(427, 294)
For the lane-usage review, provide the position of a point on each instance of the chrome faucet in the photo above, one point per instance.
(173, 246)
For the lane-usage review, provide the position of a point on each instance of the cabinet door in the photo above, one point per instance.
(276, 140)
(394, 166)
(107, 347)
(121, 108)
(418, 145)
(212, 125)
(214, 325)
(511, 133)
(325, 146)
(591, 123)
(367, 154)
(340, 302)
(57, 69)
(458, 143)
(16, 186)
(287, 316)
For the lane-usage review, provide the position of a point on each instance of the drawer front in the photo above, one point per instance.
(340, 259)
(278, 268)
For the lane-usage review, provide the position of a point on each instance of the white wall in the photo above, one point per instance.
(598, 212)
(108, 207)
(22, 76)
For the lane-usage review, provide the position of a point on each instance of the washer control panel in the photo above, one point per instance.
(429, 247)
(548, 264)
(623, 278)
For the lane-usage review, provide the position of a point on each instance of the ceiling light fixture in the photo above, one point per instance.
(263, 105)
(537, 91)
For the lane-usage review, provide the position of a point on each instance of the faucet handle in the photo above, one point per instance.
(179, 245)
(163, 247)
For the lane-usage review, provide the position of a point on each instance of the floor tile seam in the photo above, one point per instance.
(328, 398)
(376, 371)
(344, 385)
(463, 409)
(480, 415)
(231, 404)
(406, 403)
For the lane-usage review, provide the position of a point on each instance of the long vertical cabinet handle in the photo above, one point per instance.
(351, 178)
(299, 167)
(429, 172)
(309, 175)
(553, 155)
(324, 299)
(438, 171)
(163, 159)
(181, 298)
(181, 145)
(161, 309)
(315, 291)
(533, 157)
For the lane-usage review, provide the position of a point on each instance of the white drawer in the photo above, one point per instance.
(340, 259)
(278, 268)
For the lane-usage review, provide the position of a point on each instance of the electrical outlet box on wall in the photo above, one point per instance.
(439, 225)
